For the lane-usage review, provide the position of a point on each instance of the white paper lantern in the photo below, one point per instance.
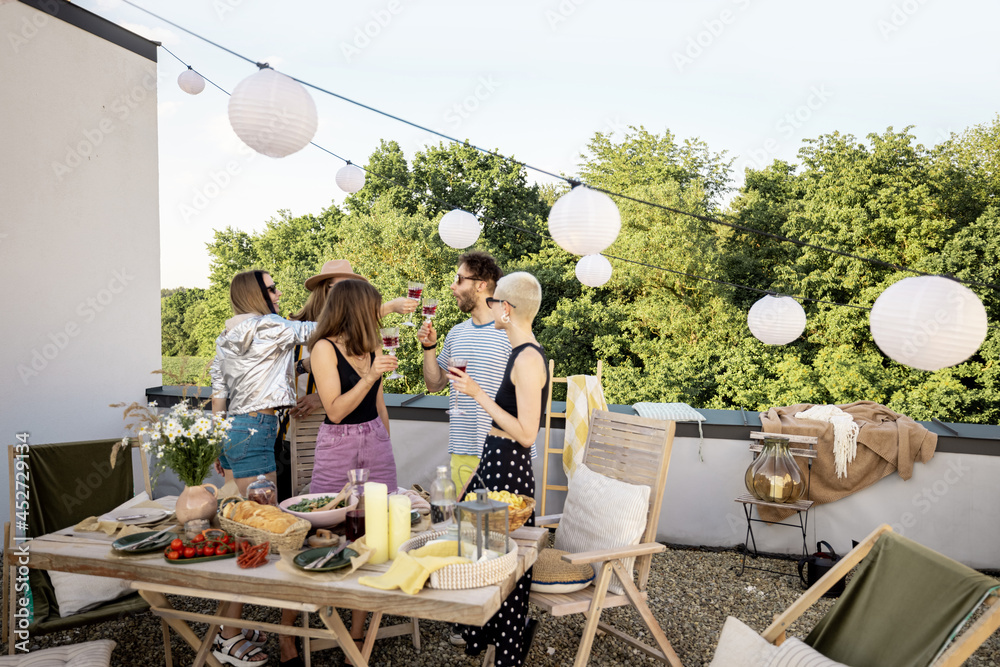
(191, 82)
(928, 322)
(584, 221)
(272, 114)
(459, 229)
(350, 178)
(776, 320)
(593, 270)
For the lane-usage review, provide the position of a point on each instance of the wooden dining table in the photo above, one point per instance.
(222, 580)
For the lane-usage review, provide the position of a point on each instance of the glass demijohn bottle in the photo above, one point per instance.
(442, 499)
(774, 476)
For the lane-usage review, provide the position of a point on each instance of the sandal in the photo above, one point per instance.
(237, 650)
(255, 637)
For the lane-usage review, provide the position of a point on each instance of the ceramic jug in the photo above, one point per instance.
(196, 502)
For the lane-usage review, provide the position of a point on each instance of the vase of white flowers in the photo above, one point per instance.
(188, 442)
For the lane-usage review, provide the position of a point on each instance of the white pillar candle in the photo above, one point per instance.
(399, 523)
(377, 521)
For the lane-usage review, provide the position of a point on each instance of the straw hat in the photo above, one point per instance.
(335, 268)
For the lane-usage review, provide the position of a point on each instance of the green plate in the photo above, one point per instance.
(309, 555)
(197, 559)
(121, 543)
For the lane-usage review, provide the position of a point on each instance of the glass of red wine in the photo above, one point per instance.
(461, 363)
(413, 291)
(430, 309)
(390, 341)
(355, 527)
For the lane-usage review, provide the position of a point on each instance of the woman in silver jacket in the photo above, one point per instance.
(253, 371)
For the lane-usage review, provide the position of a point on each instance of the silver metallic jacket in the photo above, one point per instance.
(253, 362)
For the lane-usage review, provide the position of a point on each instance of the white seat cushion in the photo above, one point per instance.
(80, 592)
(740, 646)
(796, 653)
(602, 513)
(88, 654)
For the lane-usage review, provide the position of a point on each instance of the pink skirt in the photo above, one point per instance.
(343, 447)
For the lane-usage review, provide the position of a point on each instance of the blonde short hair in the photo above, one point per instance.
(521, 290)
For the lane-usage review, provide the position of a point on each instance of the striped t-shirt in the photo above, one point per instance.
(487, 350)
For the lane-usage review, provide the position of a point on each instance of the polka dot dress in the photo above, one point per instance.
(506, 465)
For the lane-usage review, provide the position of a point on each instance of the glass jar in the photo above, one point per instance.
(263, 491)
(774, 476)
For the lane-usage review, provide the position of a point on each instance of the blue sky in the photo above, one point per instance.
(536, 79)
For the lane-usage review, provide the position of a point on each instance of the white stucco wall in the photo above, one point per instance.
(951, 504)
(79, 230)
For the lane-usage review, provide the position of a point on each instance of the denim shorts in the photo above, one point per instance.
(250, 454)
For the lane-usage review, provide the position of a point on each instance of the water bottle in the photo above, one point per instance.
(442, 499)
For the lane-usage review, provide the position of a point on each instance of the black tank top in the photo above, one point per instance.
(506, 396)
(367, 409)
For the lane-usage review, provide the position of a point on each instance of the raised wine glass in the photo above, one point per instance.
(390, 341)
(413, 291)
(430, 309)
(461, 363)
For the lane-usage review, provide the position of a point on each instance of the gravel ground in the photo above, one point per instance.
(690, 592)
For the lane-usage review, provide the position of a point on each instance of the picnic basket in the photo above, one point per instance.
(467, 575)
(290, 540)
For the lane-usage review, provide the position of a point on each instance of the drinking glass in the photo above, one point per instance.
(461, 363)
(390, 341)
(430, 309)
(413, 291)
(355, 524)
(357, 478)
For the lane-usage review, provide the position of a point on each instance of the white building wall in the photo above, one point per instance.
(79, 230)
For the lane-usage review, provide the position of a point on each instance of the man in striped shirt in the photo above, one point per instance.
(486, 349)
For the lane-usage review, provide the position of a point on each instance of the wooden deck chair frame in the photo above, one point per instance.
(954, 655)
(635, 450)
(302, 434)
(548, 449)
(8, 606)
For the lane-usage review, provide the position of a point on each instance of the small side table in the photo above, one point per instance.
(801, 507)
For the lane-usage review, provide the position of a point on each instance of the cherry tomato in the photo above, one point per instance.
(227, 538)
(177, 544)
(173, 555)
(198, 538)
(209, 549)
(221, 550)
(189, 552)
(200, 549)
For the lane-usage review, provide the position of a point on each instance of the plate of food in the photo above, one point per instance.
(313, 507)
(338, 560)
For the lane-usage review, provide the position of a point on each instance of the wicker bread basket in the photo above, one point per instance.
(467, 575)
(290, 540)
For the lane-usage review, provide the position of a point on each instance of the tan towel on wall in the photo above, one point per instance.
(887, 441)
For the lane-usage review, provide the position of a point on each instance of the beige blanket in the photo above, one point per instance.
(887, 441)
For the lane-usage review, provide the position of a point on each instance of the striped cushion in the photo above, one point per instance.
(602, 513)
(795, 653)
(88, 654)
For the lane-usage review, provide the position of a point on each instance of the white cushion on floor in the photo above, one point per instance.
(80, 592)
(88, 654)
(740, 646)
(796, 653)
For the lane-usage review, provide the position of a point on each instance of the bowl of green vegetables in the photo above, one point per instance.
(314, 508)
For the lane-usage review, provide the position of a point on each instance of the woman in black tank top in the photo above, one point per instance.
(506, 462)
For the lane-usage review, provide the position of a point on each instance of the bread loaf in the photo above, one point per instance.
(255, 515)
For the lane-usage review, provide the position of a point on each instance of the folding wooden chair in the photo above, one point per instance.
(964, 591)
(548, 449)
(302, 439)
(637, 451)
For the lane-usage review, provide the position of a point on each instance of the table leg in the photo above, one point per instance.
(168, 659)
(376, 620)
(331, 619)
(159, 601)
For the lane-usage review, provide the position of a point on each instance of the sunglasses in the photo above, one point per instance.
(490, 301)
(459, 278)
(272, 288)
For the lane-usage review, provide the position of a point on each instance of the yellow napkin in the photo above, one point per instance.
(583, 396)
(410, 570)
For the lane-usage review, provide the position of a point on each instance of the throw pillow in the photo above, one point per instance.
(551, 574)
(602, 513)
(796, 653)
(740, 646)
(89, 654)
(80, 592)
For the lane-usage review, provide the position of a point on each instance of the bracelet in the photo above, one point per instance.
(429, 347)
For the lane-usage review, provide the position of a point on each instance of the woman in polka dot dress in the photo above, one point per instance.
(506, 461)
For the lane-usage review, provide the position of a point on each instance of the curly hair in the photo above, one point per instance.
(482, 266)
